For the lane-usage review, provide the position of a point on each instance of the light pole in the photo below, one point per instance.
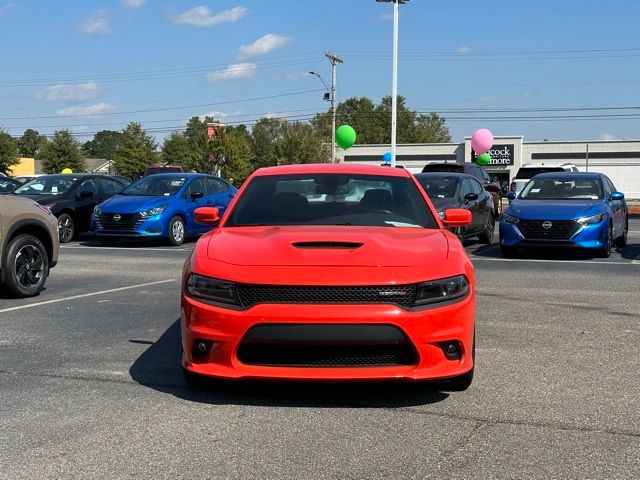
(335, 60)
(394, 82)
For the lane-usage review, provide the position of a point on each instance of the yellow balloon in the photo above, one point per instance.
(67, 170)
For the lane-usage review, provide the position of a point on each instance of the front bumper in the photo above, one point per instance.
(425, 330)
(587, 237)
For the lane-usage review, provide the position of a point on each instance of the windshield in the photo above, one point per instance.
(331, 199)
(157, 170)
(563, 189)
(155, 186)
(47, 186)
(439, 187)
(527, 173)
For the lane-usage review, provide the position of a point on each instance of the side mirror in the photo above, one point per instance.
(206, 215)
(456, 217)
(511, 196)
(470, 197)
(85, 194)
(617, 196)
(196, 195)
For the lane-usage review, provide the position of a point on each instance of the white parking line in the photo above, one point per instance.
(125, 248)
(535, 260)
(84, 295)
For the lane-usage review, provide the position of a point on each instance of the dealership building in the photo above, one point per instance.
(618, 159)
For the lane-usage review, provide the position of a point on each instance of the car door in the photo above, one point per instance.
(195, 196)
(618, 214)
(88, 195)
(484, 204)
(469, 204)
(220, 194)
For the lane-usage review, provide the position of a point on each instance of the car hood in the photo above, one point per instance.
(43, 199)
(554, 209)
(133, 203)
(324, 246)
(442, 204)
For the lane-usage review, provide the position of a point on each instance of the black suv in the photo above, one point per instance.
(71, 198)
(475, 171)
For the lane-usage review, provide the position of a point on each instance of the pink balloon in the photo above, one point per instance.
(482, 141)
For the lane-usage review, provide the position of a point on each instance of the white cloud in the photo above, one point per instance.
(234, 71)
(464, 49)
(133, 3)
(608, 137)
(295, 75)
(263, 45)
(4, 9)
(97, 24)
(97, 109)
(72, 92)
(202, 17)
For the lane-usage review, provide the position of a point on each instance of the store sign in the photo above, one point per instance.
(500, 155)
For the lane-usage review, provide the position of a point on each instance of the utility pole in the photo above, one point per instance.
(587, 159)
(334, 63)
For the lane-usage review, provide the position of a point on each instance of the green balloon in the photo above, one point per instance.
(345, 136)
(483, 159)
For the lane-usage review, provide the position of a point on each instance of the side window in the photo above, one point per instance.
(465, 188)
(110, 187)
(88, 185)
(476, 187)
(197, 186)
(216, 186)
(485, 176)
(609, 186)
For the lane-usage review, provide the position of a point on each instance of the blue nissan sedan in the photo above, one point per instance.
(161, 206)
(580, 210)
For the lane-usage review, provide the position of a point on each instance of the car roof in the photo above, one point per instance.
(443, 174)
(561, 175)
(311, 168)
(179, 175)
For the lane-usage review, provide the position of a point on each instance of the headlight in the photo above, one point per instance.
(510, 219)
(212, 289)
(593, 219)
(97, 211)
(153, 211)
(441, 290)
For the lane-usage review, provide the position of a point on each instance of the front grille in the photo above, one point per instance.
(340, 345)
(559, 229)
(255, 294)
(126, 221)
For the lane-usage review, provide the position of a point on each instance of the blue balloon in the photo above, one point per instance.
(386, 158)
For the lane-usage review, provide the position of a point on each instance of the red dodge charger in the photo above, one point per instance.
(329, 272)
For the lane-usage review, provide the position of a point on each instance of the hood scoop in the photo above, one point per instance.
(326, 245)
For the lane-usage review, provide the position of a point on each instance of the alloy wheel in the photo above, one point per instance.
(65, 229)
(29, 266)
(178, 231)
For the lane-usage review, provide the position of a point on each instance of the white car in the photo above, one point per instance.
(527, 171)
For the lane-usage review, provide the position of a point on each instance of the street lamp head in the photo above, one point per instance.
(313, 73)
(399, 2)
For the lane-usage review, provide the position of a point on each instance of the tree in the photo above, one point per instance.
(299, 143)
(63, 151)
(176, 150)
(431, 128)
(137, 150)
(234, 149)
(8, 151)
(104, 144)
(30, 143)
(264, 137)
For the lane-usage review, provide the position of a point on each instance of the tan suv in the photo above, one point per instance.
(28, 245)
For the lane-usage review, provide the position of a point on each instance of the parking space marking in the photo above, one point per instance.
(125, 248)
(536, 260)
(85, 295)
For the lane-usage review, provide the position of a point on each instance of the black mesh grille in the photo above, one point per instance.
(327, 356)
(557, 230)
(254, 294)
(125, 221)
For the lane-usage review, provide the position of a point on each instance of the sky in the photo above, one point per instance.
(549, 69)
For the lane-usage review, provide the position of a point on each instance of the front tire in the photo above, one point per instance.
(487, 234)
(605, 252)
(26, 266)
(66, 228)
(621, 241)
(176, 231)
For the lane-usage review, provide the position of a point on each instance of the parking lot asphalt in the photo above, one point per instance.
(90, 383)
